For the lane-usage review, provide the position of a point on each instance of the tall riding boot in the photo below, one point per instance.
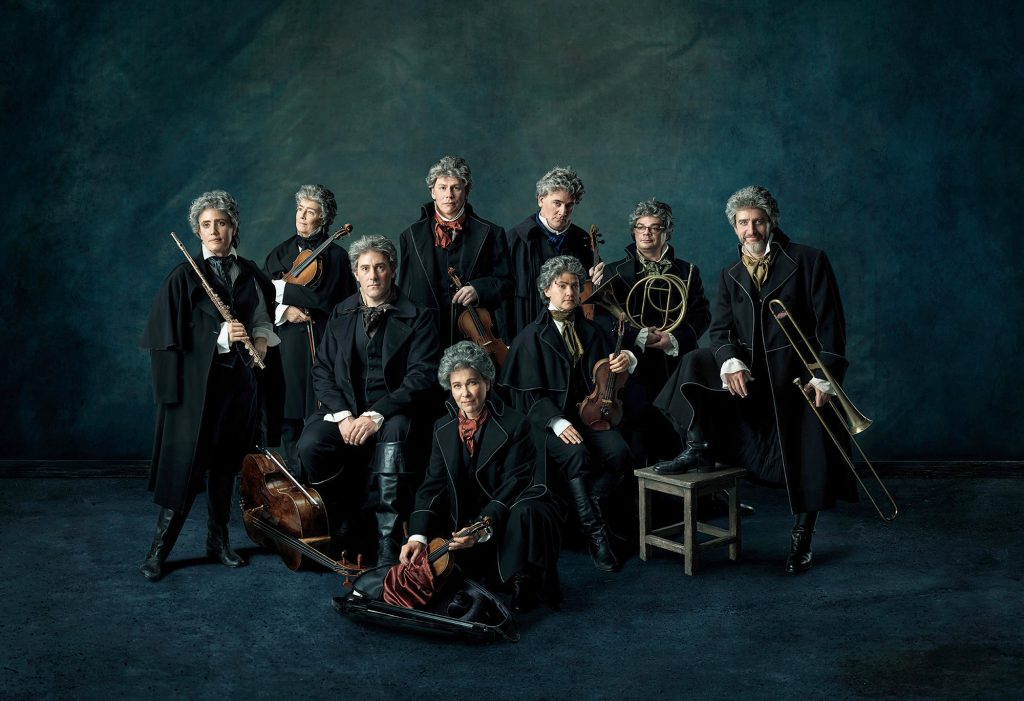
(389, 467)
(800, 556)
(168, 526)
(696, 455)
(218, 493)
(593, 525)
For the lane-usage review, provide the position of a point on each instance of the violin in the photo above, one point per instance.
(306, 268)
(477, 326)
(594, 237)
(280, 513)
(438, 553)
(602, 408)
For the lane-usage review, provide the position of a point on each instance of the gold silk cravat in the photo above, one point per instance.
(757, 267)
(572, 340)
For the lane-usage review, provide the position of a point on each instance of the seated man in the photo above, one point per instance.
(736, 402)
(651, 262)
(548, 373)
(374, 366)
(203, 379)
(482, 464)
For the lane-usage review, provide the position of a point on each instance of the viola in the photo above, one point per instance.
(594, 238)
(602, 408)
(307, 269)
(477, 326)
(438, 553)
(280, 513)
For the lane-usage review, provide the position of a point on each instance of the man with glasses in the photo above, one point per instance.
(650, 255)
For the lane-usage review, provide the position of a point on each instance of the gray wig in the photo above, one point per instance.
(654, 208)
(752, 196)
(451, 167)
(323, 197)
(553, 268)
(373, 242)
(465, 355)
(214, 199)
(559, 178)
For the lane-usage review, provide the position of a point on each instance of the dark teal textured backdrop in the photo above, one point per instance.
(890, 133)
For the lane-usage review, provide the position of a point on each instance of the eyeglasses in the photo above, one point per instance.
(656, 229)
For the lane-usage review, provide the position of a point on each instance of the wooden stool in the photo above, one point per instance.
(690, 486)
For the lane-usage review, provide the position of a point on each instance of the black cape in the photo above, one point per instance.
(478, 255)
(318, 299)
(772, 432)
(181, 335)
(500, 481)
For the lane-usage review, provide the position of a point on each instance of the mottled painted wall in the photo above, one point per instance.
(888, 131)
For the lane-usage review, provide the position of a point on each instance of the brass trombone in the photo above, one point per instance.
(854, 421)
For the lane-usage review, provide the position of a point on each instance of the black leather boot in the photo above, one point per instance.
(524, 592)
(218, 494)
(168, 526)
(696, 456)
(389, 466)
(593, 525)
(800, 556)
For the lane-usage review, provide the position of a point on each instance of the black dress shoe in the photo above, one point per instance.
(218, 548)
(800, 555)
(696, 456)
(601, 552)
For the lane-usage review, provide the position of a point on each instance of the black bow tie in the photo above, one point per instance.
(310, 243)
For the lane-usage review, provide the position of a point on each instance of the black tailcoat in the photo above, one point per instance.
(181, 335)
(498, 483)
(318, 300)
(410, 356)
(772, 432)
(529, 249)
(478, 255)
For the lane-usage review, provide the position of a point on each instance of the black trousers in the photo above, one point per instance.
(230, 415)
(338, 470)
(603, 457)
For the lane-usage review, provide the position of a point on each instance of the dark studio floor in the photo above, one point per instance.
(928, 607)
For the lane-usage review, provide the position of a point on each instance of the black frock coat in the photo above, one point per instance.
(335, 284)
(528, 250)
(772, 432)
(181, 335)
(480, 259)
(410, 355)
(538, 370)
(499, 485)
(655, 367)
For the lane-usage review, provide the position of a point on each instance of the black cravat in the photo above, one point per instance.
(222, 266)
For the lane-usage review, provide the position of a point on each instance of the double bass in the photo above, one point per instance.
(280, 513)
(477, 326)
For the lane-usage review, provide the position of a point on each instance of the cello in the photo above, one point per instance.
(477, 326)
(602, 408)
(279, 512)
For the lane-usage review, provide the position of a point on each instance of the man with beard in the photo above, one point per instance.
(450, 233)
(203, 380)
(302, 310)
(544, 234)
(374, 373)
(651, 224)
(736, 401)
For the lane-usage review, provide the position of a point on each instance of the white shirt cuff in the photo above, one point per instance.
(378, 419)
(279, 291)
(279, 312)
(632, 361)
(223, 345)
(418, 539)
(557, 425)
(823, 385)
(337, 417)
(261, 331)
(729, 366)
(674, 350)
(641, 338)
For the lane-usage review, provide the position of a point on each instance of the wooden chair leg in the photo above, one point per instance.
(734, 521)
(645, 520)
(689, 533)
